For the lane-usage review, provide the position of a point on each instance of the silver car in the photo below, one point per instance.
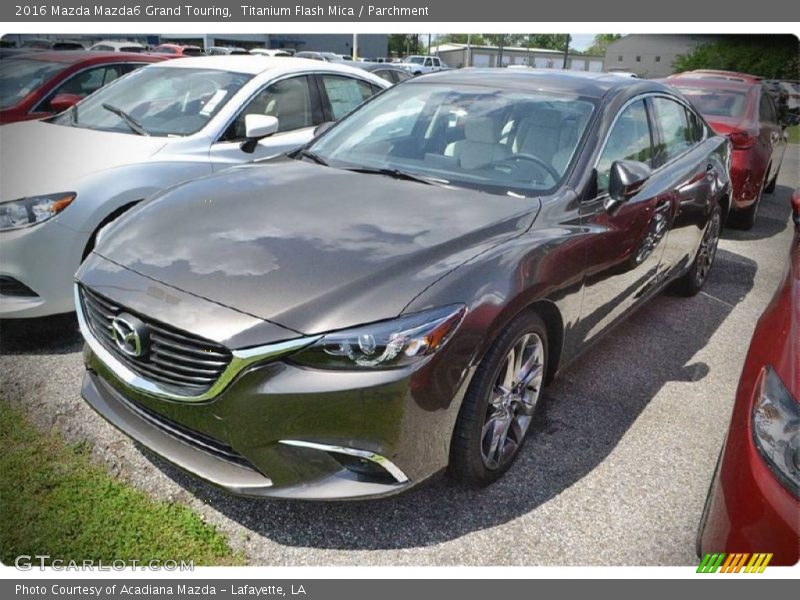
(63, 179)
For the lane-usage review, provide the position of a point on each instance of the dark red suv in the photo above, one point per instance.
(38, 84)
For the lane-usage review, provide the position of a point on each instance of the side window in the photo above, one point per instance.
(676, 136)
(344, 93)
(696, 127)
(436, 62)
(428, 62)
(766, 110)
(628, 140)
(387, 75)
(289, 100)
(84, 83)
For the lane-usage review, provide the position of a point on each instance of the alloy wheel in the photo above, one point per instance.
(512, 401)
(708, 249)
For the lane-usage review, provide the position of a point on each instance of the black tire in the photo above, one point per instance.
(468, 462)
(693, 281)
(770, 187)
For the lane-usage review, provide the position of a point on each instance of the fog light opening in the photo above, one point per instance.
(364, 463)
(363, 467)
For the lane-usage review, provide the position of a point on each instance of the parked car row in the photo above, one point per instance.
(364, 304)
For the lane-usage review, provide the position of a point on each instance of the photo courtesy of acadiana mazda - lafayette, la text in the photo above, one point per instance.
(352, 318)
(63, 179)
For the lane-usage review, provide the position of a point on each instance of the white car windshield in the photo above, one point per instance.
(496, 140)
(158, 101)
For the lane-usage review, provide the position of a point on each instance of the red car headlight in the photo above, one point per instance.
(776, 429)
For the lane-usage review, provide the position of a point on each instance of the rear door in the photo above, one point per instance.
(296, 104)
(688, 168)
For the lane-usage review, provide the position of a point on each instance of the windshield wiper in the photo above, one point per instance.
(400, 174)
(135, 126)
(305, 152)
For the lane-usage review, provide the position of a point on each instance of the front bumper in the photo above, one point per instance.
(44, 258)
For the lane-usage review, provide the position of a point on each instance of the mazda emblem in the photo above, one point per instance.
(130, 334)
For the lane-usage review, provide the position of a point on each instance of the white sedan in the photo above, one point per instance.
(63, 179)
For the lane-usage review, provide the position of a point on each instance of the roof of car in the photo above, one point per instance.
(579, 82)
(252, 64)
(710, 84)
(77, 56)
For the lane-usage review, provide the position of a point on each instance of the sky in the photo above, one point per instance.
(581, 41)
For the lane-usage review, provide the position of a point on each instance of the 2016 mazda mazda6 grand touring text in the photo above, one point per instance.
(348, 320)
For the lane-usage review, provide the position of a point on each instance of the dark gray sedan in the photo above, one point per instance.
(389, 301)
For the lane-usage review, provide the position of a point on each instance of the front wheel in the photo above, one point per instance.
(692, 282)
(500, 403)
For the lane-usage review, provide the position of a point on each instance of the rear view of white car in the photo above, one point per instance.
(63, 179)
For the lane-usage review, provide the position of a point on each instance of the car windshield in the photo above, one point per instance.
(416, 60)
(497, 140)
(164, 101)
(20, 76)
(717, 102)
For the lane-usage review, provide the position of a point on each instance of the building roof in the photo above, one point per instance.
(451, 47)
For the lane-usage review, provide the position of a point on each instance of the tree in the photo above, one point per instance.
(401, 44)
(770, 56)
(550, 41)
(601, 42)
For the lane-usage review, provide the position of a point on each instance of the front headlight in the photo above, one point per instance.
(25, 212)
(776, 429)
(384, 345)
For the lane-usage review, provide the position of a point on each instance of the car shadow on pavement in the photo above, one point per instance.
(772, 218)
(585, 413)
(58, 334)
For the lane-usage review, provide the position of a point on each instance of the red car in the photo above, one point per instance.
(176, 50)
(718, 74)
(38, 84)
(742, 109)
(753, 505)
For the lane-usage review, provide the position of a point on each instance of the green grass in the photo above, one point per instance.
(794, 134)
(54, 501)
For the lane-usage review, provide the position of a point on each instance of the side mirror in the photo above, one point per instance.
(625, 180)
(62, 102)
(796, 208)
(323, 127)
(256, 128)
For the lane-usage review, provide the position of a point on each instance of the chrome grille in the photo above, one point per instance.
(174, 358)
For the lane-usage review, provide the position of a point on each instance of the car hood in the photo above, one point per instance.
(37, 157)
(311, 248)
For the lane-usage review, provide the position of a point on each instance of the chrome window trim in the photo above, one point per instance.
(241, 360)
(379, 460)
(642, 97)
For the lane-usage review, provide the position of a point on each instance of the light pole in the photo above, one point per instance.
(566, 50)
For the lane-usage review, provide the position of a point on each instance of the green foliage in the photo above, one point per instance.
(401, 44)
(770, 56)
(601, 42)
(552, 41)
(54, 501)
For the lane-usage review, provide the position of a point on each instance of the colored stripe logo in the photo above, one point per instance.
(721, 562)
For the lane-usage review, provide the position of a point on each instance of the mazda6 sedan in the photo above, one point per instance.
(390, 300)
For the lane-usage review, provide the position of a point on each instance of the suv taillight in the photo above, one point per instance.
(741, 139)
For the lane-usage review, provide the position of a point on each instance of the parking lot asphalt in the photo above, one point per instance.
(615, 472)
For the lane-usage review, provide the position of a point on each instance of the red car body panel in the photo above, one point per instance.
(176, 50)
(74, 62)
(756, 162)
(748, 509)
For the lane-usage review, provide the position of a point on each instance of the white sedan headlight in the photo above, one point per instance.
(33, 210)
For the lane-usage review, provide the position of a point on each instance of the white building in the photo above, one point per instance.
(461, 55)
